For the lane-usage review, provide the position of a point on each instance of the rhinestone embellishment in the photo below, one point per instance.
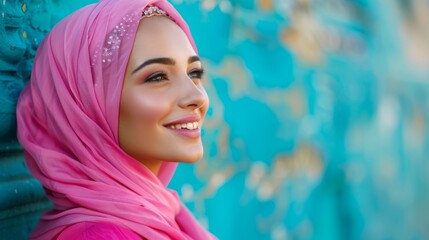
(114, 39)
(122, 31)
(150, 11)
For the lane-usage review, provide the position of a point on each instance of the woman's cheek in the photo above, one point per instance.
(154, 106)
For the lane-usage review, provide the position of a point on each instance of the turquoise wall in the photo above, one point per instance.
(318, 126)
(23, 25)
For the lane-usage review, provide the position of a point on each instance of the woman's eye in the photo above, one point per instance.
(157, 77)
(196, 73)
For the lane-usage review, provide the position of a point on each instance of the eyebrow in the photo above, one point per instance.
(193, 59)
(165, 61)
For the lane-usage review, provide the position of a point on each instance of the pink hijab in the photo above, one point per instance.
(68, 125)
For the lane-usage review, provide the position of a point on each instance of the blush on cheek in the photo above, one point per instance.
(152, 107)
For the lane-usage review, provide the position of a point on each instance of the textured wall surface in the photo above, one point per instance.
(23, 25)
(318, 126)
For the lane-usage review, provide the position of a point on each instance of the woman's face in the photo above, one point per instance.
(163, 102)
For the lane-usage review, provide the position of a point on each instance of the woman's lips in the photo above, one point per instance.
(188, 126)
(194, 133)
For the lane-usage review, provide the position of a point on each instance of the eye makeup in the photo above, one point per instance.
(196, 73)
(156, 77)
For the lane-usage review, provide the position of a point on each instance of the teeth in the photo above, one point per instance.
(189, 125)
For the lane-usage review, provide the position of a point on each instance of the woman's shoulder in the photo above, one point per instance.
(97, 231)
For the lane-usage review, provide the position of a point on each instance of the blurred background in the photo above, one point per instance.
(318, 125)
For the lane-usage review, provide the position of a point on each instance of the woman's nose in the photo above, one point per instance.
(193, 95)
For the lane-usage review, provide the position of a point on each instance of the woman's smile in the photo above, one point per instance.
(187, 126)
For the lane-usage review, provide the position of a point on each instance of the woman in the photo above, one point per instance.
(114, 102)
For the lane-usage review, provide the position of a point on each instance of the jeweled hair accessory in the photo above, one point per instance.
(122, 30)
(151, 11)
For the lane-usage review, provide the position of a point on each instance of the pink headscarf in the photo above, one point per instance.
(68, 125)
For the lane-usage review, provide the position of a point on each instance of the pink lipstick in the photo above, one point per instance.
(188, 126)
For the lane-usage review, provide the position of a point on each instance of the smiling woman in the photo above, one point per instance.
(115, 100)
(163, 100)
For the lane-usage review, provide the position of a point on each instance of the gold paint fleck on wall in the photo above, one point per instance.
(208, 5)
(416, 34)
(302, 35)
(415, 129)
(266, 5)
(297, 101)
(302, 43)
(232, 68)
(305, 161)
(294, 97)
(289, 176)
(217, 180)
(419, 121)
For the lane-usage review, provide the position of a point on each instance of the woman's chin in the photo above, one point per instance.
(190, 158)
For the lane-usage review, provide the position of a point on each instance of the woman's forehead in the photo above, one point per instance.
(159, 26)
(159, 36)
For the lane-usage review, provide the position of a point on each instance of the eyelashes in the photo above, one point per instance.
(156, 77)
(196, 73)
